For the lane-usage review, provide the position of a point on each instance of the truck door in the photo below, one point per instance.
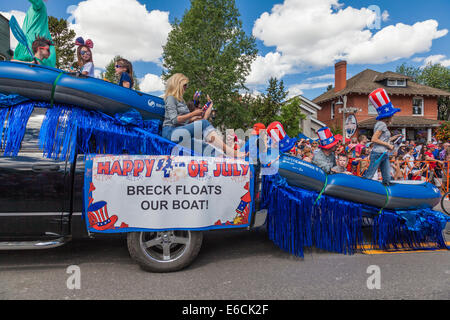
(33, 190)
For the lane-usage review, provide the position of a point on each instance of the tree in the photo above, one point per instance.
(272, 106)
(64, 41)
(409, 71)
(110, 73)
(291, 116)
(210, 47)
(268, 107)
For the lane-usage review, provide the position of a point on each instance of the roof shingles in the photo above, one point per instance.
(368, 80)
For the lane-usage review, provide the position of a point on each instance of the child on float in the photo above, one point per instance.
(341, 164)
(124, 69)
(84, 55)
(179, 121)
(381, 140)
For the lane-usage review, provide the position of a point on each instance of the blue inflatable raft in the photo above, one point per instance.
(402, 195)
(45, 83)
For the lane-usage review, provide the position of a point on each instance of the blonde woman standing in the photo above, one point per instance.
(180, 124)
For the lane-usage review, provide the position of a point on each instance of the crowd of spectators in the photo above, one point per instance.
(409, 161)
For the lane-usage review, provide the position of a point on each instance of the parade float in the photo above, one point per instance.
(163, 195)
(152, 188)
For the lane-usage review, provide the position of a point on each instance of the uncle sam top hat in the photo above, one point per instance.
(326, 138)
(383, 104)
(276, 132)
(99, 217)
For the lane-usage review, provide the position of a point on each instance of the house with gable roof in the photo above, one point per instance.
(419, 103)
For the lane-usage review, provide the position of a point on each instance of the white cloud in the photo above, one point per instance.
(322, 77)
(121, 27)
(271, 65)
(298, 89)
(434, 59)
(20, 16)
(315, 34)
(151, 83)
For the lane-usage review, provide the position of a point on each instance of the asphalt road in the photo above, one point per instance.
(232, 265)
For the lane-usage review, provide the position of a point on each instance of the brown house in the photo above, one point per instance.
(419, 103)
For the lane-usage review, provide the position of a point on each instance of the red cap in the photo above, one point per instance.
(257, 127)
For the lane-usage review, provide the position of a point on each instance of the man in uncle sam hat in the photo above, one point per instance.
(325, 157)
(381, 140)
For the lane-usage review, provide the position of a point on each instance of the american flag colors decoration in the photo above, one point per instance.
(99, 217)
(326, 138)
(381, 101)
(276, 132)
(206, 106)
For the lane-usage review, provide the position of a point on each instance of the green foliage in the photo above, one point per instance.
(110, 73)
(291, 116)
(336, 130)
(210, 47)
(64, 41)
(409, 71)
(272, 106)
(267, 108)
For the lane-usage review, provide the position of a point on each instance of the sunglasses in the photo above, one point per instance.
(119, 66)
(46, 48)
(85, 52)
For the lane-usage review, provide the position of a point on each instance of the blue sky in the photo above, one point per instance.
(298, 62)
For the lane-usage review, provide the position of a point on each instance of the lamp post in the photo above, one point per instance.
(344, 110)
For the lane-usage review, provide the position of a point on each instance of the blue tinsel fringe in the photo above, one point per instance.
(13, 122)
(66, 128)
(294, 222)
(335, 225)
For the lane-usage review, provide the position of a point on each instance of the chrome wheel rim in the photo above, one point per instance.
(165, 246)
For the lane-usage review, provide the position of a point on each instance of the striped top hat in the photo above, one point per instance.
(383, 104)
(276, 132)
(99, 217)
(326, 138)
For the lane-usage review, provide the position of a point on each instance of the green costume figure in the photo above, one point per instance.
(35, 24)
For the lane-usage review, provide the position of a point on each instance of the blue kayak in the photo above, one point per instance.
(402, 195)
(37, 82)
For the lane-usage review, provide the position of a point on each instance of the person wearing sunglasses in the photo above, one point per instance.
(124, 69)
(35, 24)
(84, 55)
(41, 50)
(182, 127)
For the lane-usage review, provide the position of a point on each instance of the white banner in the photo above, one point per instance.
(126, 193)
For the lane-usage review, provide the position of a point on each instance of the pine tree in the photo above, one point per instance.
(64, 41)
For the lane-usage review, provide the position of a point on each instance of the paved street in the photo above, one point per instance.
(231, 265)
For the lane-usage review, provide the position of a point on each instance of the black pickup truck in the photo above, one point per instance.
(41, 208)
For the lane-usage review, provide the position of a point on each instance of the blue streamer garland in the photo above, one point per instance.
(335, 225)
(13, 121)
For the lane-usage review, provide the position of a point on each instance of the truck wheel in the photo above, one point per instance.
(166, 251)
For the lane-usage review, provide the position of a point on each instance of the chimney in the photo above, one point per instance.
(340, 76)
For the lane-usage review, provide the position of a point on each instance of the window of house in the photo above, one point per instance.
(417, 106)
(396, 83)
(372, 109)
(332, 111)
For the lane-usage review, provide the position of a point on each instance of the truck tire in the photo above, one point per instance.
(167, 251)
